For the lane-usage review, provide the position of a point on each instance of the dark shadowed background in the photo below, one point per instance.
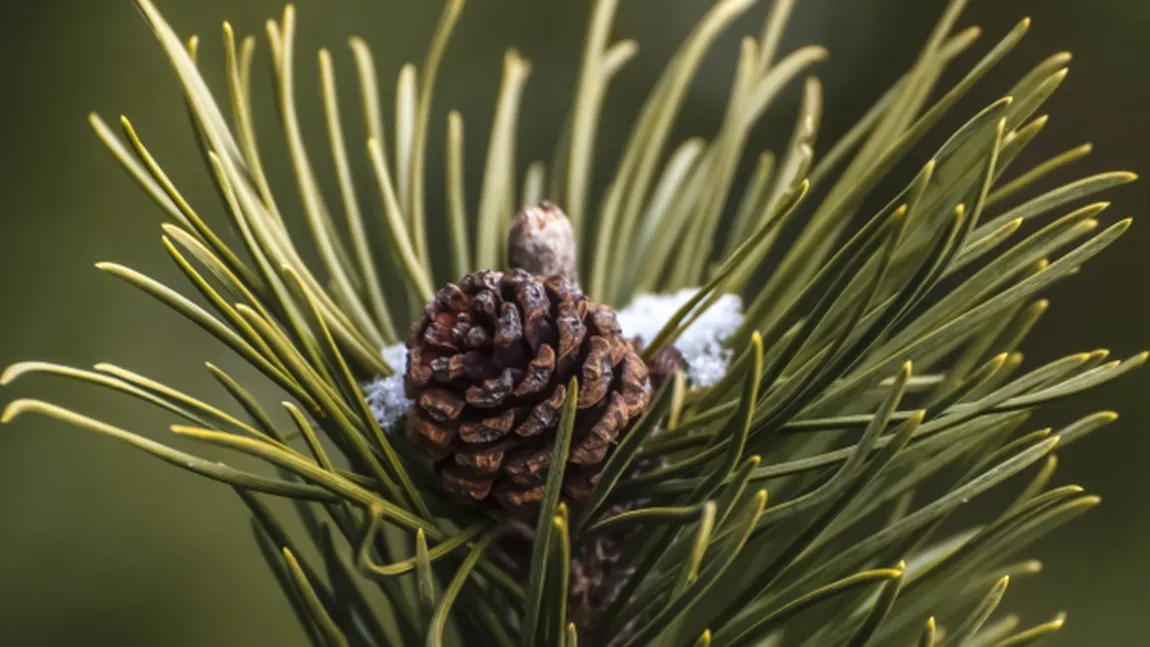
(101, 545)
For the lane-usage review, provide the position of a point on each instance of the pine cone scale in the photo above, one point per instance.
(596, 374)
(539, 373)
(488, 429)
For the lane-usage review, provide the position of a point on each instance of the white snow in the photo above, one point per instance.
(701, 345)
(385, 394)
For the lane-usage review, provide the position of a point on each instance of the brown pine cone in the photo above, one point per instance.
(487, 368)
(596, 576)
(663, 365)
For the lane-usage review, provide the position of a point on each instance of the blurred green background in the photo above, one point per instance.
(100, 545)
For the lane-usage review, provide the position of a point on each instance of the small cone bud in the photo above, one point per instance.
(542, 242)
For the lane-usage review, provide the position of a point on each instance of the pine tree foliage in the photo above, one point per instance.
(876, 385)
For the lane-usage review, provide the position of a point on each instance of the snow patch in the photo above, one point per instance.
(385, 394)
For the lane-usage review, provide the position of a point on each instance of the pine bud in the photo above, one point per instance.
(542, 242)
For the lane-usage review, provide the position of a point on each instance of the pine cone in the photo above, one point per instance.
(596, 576)
(663, 365)
(488, 365)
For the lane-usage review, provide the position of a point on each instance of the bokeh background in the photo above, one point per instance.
(100, 545)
